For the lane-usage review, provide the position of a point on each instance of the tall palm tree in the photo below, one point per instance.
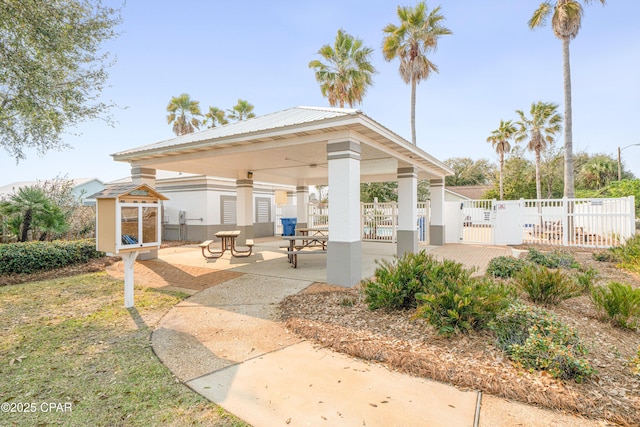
(499, 140)
(183, 114)
(540, 129)
(215, 117)
(411, 41)
(241, 111)
(348, 71)
(565, 23)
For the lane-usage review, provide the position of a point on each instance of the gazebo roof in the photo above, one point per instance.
(287, 147)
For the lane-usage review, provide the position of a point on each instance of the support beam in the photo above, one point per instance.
(302, 202)
(436, 229)
(344, 250)
(244, 209)
(407, 210)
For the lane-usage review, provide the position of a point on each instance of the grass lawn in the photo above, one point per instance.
(71, 354)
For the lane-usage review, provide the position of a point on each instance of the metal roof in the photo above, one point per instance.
(281, 119)
(287, 147)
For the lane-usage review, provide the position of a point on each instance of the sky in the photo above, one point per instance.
(493, 64)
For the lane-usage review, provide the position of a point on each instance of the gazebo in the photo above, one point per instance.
(305, 146)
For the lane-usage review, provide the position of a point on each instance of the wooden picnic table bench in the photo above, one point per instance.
(228, 242)
(306, 242)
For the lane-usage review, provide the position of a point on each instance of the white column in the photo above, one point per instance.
(141, 176)
(344, 251)
(302, 200)
(436, 228)
(407, 210)
(244, 209)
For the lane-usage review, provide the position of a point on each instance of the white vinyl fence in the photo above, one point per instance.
(561, 222)
(380, 221)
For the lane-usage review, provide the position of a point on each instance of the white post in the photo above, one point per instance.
(244, 209)
(302, 208)
(129, 259)
(436, 228)
(407, 237)
(344, 250)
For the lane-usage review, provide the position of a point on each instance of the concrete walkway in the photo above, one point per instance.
(226, 344)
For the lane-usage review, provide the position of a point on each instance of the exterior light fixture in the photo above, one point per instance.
(250, 174)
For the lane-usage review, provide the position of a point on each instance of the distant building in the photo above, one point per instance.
(82, 188)
(466, 192)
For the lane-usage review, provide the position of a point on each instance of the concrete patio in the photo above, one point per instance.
(225, 342)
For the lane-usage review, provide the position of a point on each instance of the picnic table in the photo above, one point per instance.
(305, 242)
(227, 243)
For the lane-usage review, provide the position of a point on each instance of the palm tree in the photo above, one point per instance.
(242, 110)
(214, 117)
(30, 207)
(411, 41)
(565, 23)
(499, 140)
(183, 114)
(540, 129)
(348, 71)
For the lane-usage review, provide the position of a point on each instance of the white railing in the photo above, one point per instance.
(317, 216)
(379, 221)
(589, 222)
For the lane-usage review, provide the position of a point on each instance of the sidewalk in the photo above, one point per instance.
(226, 344)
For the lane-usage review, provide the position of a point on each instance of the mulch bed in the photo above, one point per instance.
(339, 319)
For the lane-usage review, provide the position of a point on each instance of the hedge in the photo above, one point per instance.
(31, 257)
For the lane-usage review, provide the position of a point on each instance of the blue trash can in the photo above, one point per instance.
(289, 226)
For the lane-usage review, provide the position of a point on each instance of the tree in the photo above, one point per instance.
(383, 191)
(215, 117)
(467, 171)
(540, 129)
(348, 71)
(598, 172)
(29, 208)
(519, 181)
(241, 111)
(411, 41)
(53, 69)
(183, 114)
(565, 23)
(499, 140)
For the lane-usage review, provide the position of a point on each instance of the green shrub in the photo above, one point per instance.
(455, 305)
(619, 303)
(535, 339)
(586, 278)
(629, 254)
(546, 286)
(555, 259)
(396, 283)
(505, 266)
(31, 257)
(605, 256)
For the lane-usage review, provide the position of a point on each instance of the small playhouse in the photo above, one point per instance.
(128, 222)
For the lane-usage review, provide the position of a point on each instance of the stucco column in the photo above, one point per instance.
(407, 210)
(244, 209)
(436, 229)
(302, 202)
(344, 250)
(139, 176)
